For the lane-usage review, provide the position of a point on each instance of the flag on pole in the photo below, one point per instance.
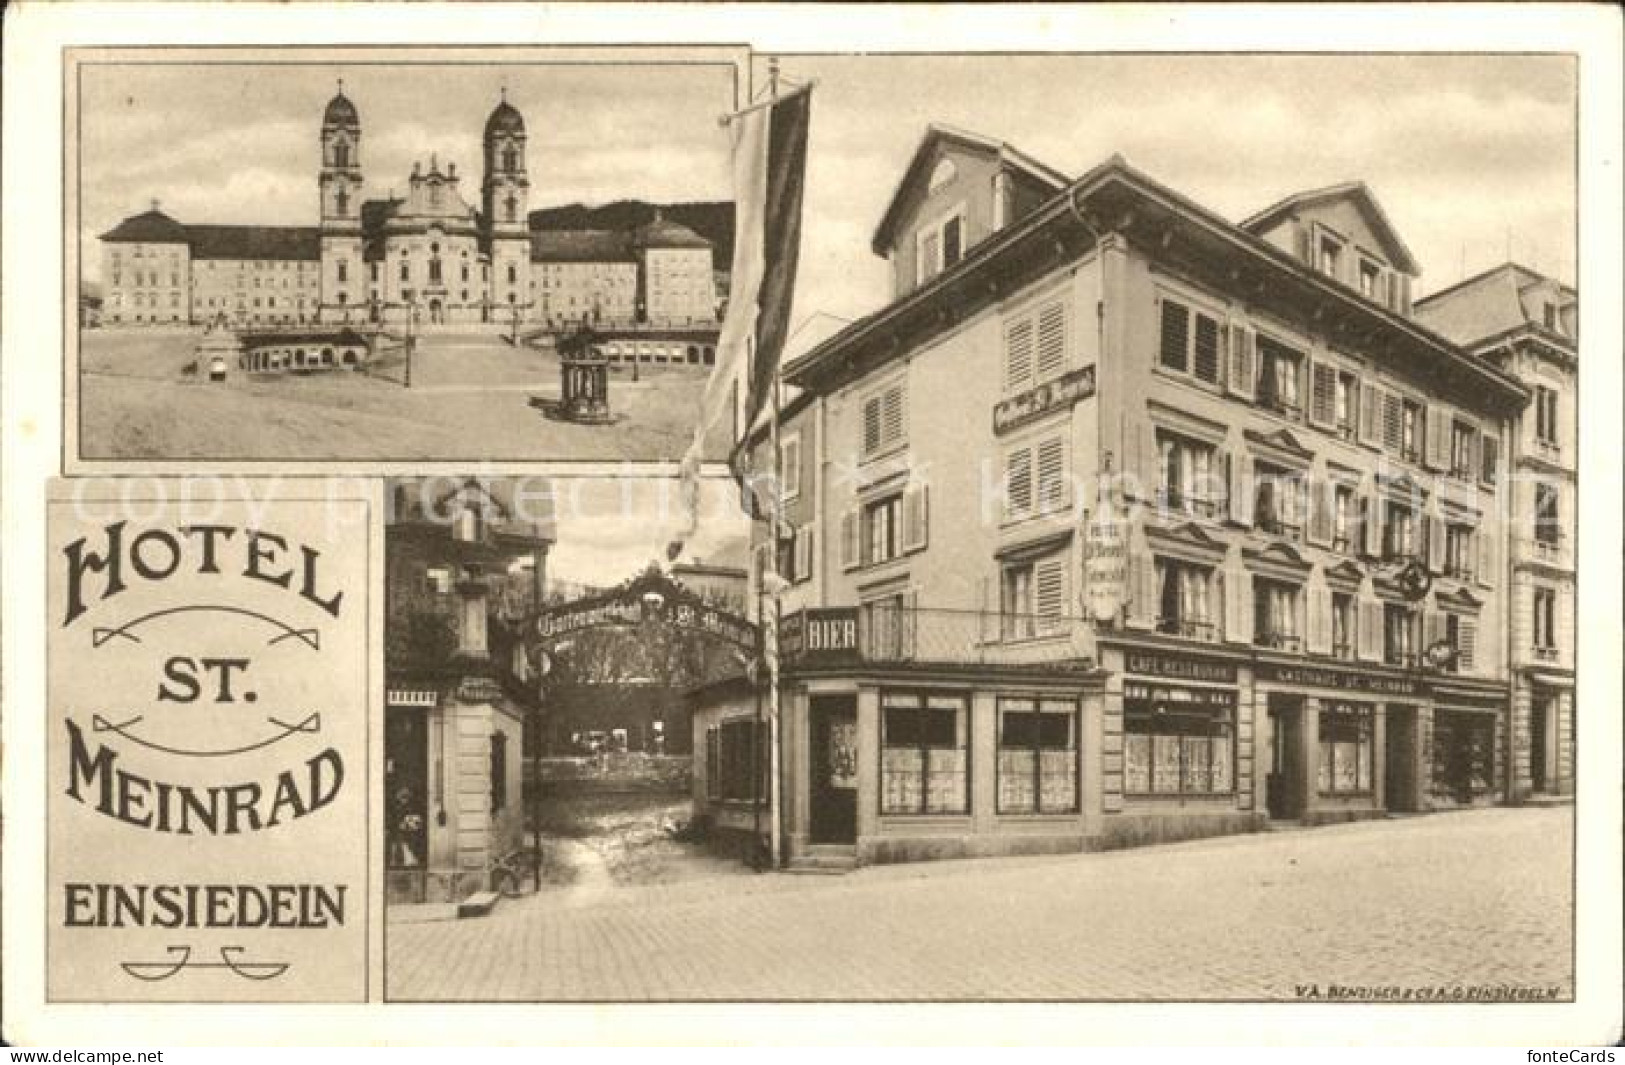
(769, 169)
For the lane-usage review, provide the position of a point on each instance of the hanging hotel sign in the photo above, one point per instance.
(1343, 680)
(825, 637)
(206, 745)
(1034, 403)
(1105, 561)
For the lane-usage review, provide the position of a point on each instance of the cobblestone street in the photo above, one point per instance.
(1470, 899)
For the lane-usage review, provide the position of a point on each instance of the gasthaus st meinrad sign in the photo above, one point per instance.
(206, 745)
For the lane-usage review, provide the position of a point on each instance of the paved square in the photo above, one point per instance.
(1451, 900)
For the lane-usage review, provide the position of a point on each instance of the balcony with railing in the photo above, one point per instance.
(1278, 641)
(1188, 629)
(1393, 656)
(1275, 525)
(890, 635)
(1178, 501)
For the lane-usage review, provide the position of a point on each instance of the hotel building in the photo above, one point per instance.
(1123, 522)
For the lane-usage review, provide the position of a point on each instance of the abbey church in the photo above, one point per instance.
(442, 254)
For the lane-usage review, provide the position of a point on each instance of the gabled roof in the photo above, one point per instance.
(1363, 197)
(936, 133)
(148, 227)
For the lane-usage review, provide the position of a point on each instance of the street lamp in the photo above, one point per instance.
(411, 338)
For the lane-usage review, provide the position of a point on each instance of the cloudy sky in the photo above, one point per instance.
(238, 143)
(610, 529)
(1466, 154)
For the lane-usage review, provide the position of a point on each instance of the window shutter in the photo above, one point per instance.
(849, 539)
(1369, 643)
(1052, 340)
(1393, 421)
(1370, 525)
(1369, 432)
(1491, 459)
(1306, 243)
(804, 552)
(1239, 380)
(1320, 511)
(1467, 644)
(1435, 532)
(1487, 554)
(1018, 354)
(791, 463)
(1142, 612)
(1049, 591)
(1319, 628)
(1238, 603)
(894, 421)
(1239, 488)
(1436, 450)
(908, 623)
(871, 424)
(916, 518)
(1051, 475)
(1323, 394)
(1018, 482)
(1434, 629)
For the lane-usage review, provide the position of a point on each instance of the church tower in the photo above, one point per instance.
(343, 283)
(506, 205)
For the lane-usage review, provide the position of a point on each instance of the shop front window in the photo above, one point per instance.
(1463, 755)
(1038, 756)
(1345, 749)
(924, 761)
(1177, 741)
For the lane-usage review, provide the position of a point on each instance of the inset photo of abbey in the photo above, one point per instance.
(364, 260)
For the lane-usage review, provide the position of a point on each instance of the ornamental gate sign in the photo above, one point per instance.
(650, 597)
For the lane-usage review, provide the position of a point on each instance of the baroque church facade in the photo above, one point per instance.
(442, 254)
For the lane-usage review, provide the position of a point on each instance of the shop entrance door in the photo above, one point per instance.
(1281, 790)
(1399, 761)
(1539, 711)
(833, 727)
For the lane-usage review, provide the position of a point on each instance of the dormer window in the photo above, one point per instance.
(940, 245)
(1370, 279)
(1330, 252)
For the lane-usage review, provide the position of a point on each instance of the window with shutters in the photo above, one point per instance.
(1275, 614)
(1186, 600)
(1032, 597)
(1038, 756)
(1188, 475)
(1345, 514)
(1460, 553)
(1037, 479)
(1278, 501)
(1329, 255)
(1399, 636)
(1036, 345)
(1191, 343)
(1410, 431)
(1399, 531)
(1545, 405)
(882, 530)
(1280, 369)
(1393, 421)
(1345, 404)
(884, 421)
(1370, 279)
(940, 245)
(1343, 625)
(1464, 463)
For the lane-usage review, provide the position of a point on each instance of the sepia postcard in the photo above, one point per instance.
(904, 524)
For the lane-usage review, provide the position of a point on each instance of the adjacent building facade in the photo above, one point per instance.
(464, 567)
(1527, 325)
(440, 253)
(1123, 522)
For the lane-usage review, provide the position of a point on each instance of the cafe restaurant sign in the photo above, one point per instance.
(1146, 664)
(206, 751)
(1034, 403)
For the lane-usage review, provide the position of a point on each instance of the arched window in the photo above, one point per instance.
(513, 274)
(434, 269)
(344, 271)
(513, 208)
(341, 154)
(341, 203)
(434, 194)
(510, 159)
(499, 771)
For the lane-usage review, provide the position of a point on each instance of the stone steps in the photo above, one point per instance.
(823, 859)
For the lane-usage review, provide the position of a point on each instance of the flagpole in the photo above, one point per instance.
(774, 732)
(760, 105)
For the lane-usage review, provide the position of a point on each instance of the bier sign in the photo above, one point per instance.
(826, 636)
(206, 749)
(1105, 561)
